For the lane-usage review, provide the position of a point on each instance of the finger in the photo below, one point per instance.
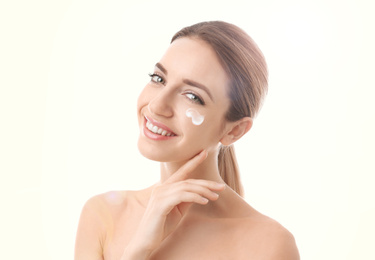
(190, 197)
(183, 197)
(193, 188)
(188, 167)
(212, 185)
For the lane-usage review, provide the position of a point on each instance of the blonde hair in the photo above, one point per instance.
(247, 69)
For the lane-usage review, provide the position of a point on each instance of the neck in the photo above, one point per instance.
(207, 170)
(228, 205)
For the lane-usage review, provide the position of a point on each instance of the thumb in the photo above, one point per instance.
(188, 167)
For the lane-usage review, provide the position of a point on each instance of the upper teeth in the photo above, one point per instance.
(157, 130)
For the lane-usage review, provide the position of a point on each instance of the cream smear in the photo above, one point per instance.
(196, 118)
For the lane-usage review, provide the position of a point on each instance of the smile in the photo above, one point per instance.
(158, 130)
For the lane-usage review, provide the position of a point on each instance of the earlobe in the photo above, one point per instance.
(237, 130)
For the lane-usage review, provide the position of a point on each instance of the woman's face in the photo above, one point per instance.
(189, 75)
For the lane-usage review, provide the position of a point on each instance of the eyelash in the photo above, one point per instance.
(153, 75)
(196, 99)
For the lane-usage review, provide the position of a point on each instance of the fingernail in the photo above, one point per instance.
(220, 185)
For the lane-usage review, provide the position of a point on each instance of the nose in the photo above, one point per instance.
(160, 104)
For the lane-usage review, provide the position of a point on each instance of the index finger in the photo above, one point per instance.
(188, 167)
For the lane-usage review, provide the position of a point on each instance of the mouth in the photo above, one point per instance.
(158, 128)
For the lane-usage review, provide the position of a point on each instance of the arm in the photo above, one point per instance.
(90, 232)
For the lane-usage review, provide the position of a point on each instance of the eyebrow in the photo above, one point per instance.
(187, 81)
(161, 67)
(198, 85)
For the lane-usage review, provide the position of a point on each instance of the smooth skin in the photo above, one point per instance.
(190, 213)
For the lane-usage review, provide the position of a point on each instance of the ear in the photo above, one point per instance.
(237, 130)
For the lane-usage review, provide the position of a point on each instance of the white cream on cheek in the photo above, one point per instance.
(196, 118)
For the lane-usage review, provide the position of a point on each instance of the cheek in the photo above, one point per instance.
(200, 127)
(190, 118)
(190, 131)
(214, 126)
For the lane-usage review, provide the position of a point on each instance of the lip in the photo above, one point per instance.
(154, 136)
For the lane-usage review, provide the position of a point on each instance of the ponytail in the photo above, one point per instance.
(228, 168)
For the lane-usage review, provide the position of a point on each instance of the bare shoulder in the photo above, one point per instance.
(96, 216)
(108, 204)
(101, 203)
(256, 236)
(99, 206)
(268, 239)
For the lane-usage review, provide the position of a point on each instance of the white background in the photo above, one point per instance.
(70, 75)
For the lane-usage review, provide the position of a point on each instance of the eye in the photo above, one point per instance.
(156, 78)
(194, 98)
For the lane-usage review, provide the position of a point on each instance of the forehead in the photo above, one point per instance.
(194, 59)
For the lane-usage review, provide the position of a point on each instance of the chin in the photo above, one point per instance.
(153, 153)
(161, 154)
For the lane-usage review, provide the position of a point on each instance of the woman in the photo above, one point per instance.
(202, 97)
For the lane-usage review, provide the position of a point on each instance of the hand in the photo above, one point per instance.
(169, 203)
